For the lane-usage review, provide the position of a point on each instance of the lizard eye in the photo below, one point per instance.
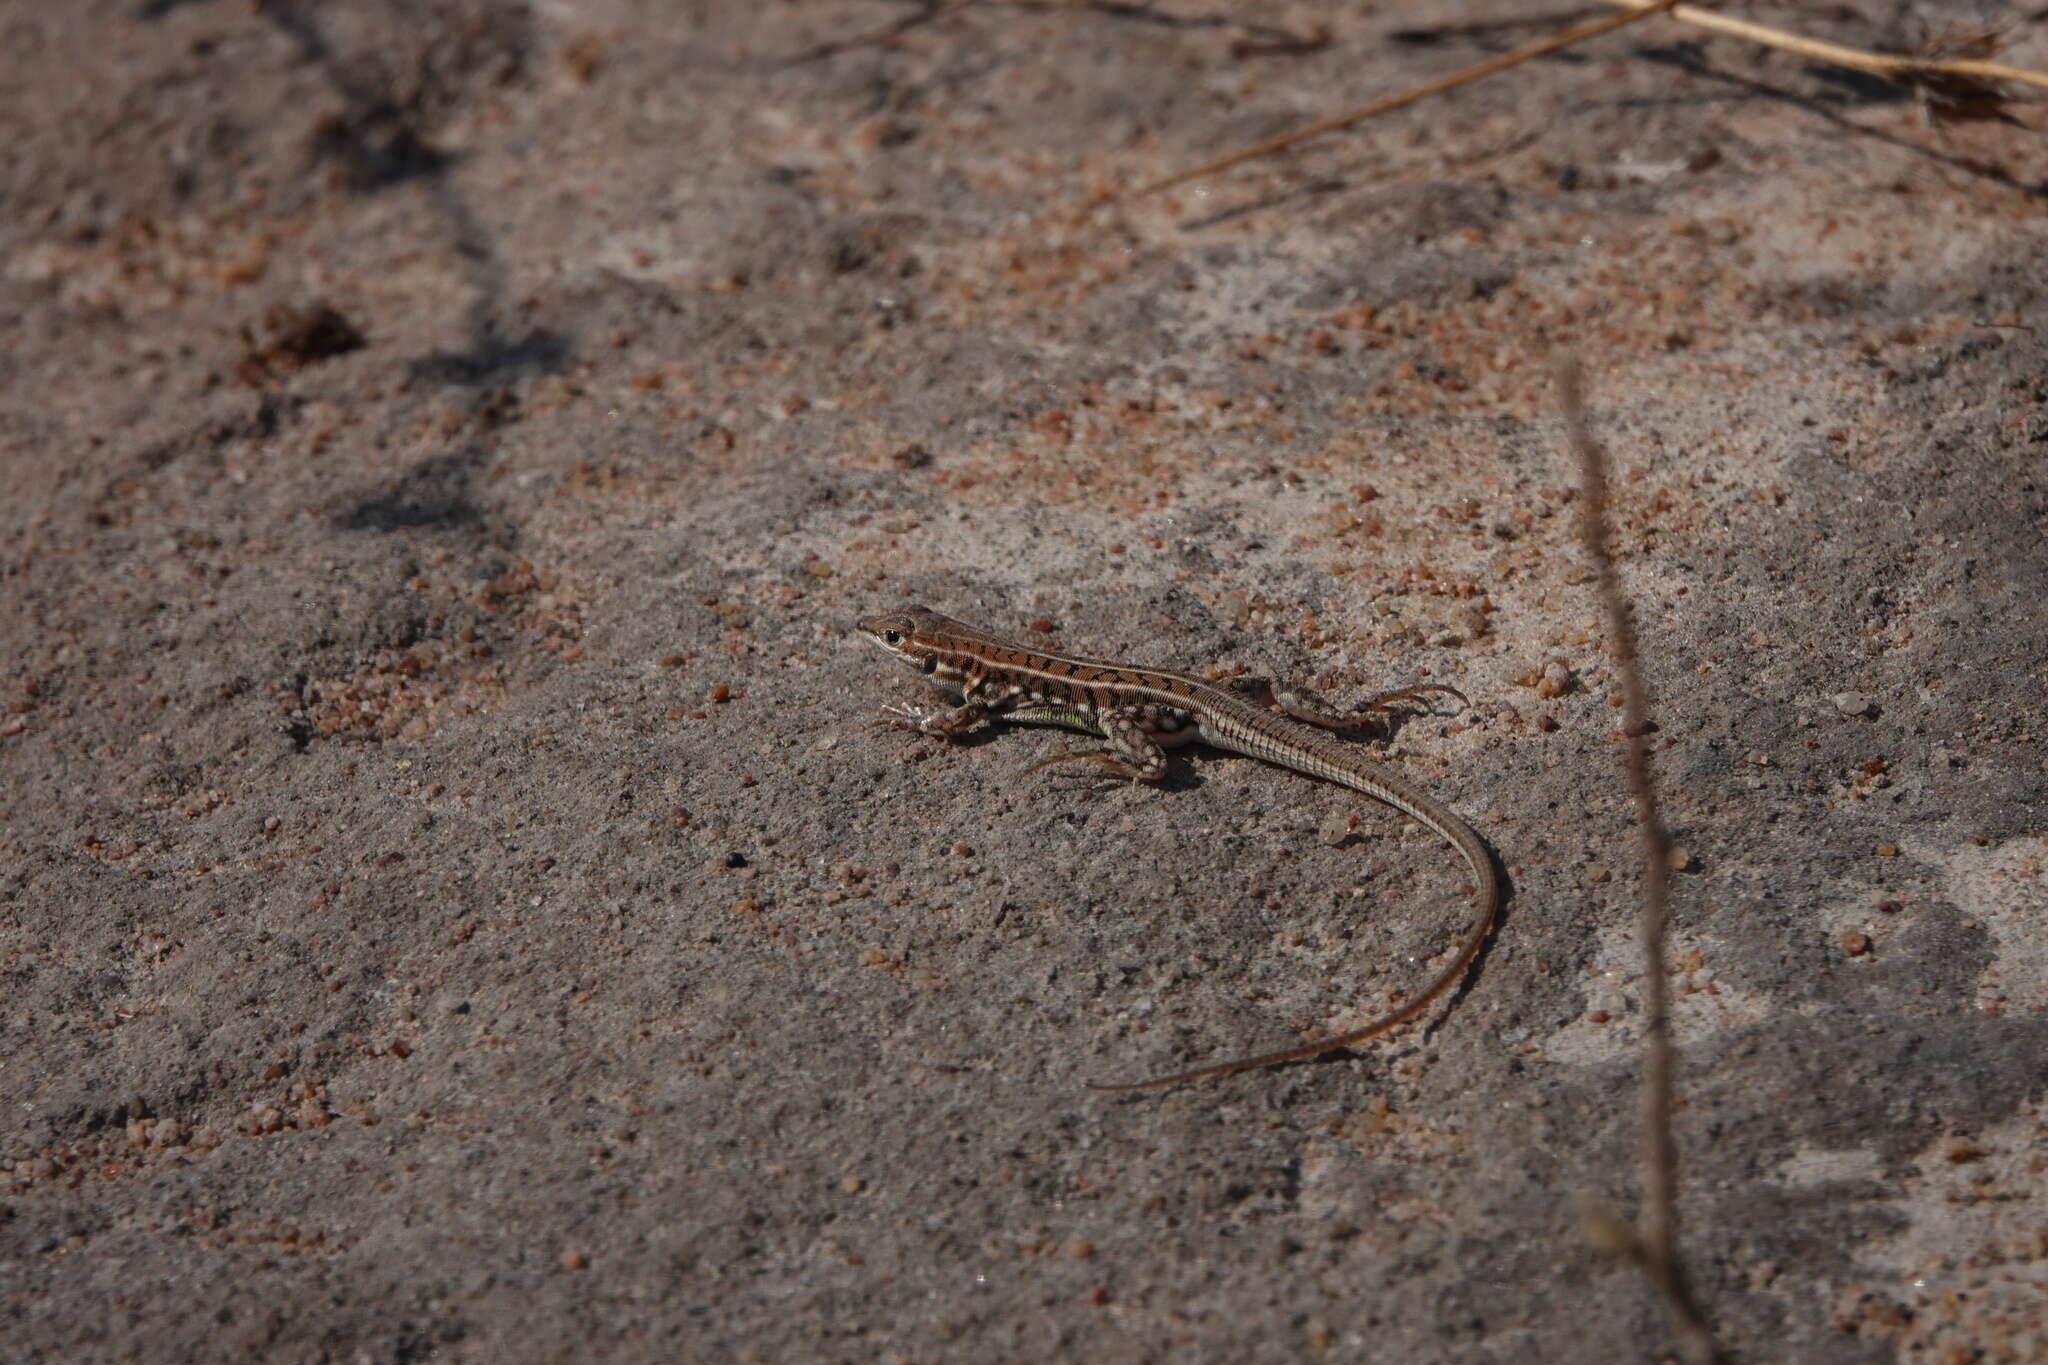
(892, 637)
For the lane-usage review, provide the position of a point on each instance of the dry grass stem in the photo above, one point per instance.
(1958, 78)
(1337, 122)
(1890, 66)
(1656, 1238)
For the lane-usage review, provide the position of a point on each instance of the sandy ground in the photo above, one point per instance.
(453, 903)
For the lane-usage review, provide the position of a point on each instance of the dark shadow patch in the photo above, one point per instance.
(378, 147)
(434, 495)
(1860, 88)
(378, 139)
(381, 138)
(389, 514)
(1689, 58)
(1499, 33)
(489, 354)
(541, 352)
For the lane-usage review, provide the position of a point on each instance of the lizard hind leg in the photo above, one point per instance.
(1302, 708)
(1385, 700)
(1134, 751)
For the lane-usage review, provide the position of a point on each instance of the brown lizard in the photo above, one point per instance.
(1141, 712)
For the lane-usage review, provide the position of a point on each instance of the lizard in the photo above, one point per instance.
(1142, 712)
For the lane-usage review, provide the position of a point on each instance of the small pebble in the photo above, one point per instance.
(572, 1259)
(1855, 942)
(1959, 1150)
(1555, 681)
(1852, 703)
(1887, 850)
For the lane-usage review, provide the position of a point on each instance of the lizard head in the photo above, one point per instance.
(930, 642)
(909, 634)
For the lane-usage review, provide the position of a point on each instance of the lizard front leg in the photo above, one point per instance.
(950, 724)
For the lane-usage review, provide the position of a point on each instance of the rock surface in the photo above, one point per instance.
(453, 903)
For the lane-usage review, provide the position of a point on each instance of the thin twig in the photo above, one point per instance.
(1906, 69)
(1656, 1239)
(1336, 122)
(1889, 66)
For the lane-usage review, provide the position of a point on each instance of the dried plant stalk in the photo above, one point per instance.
(1336, 122)
(1655, 1243)
(1891, 66)
(1959, 77)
